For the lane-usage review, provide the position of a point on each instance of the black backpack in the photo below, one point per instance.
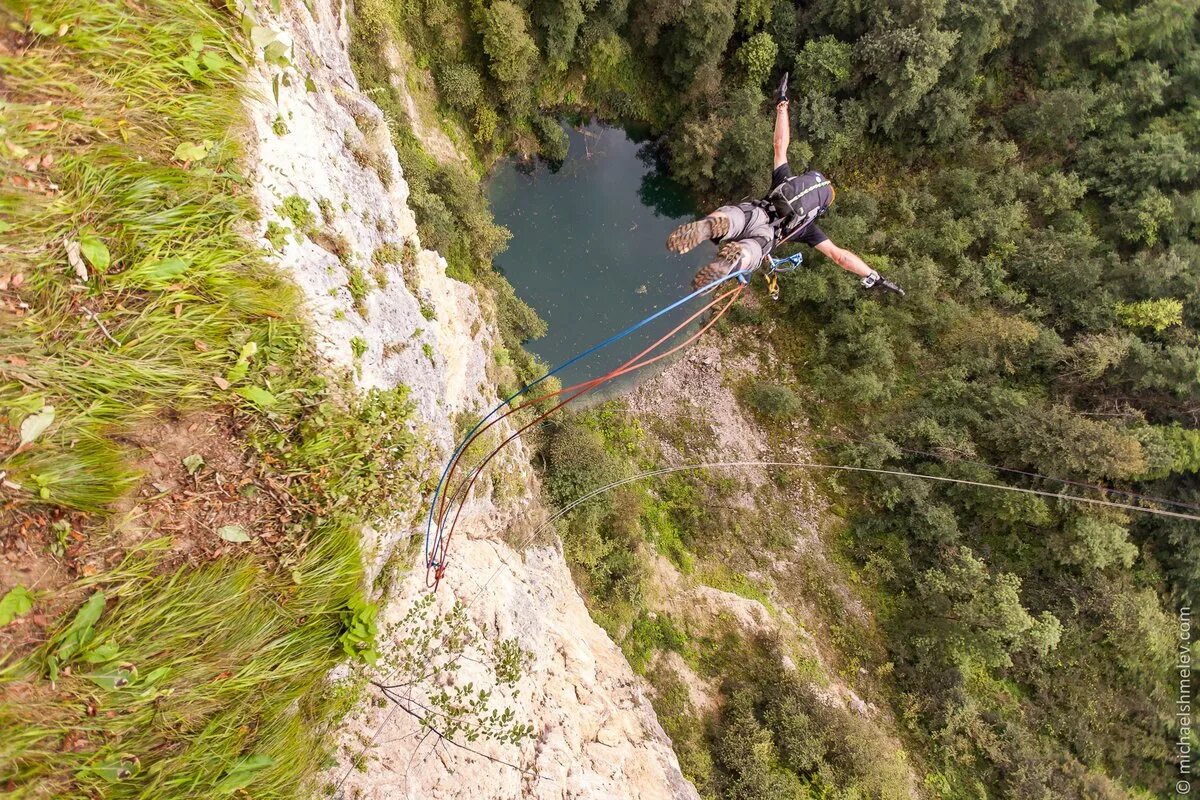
(800, 199)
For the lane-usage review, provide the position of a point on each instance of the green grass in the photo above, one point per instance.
(230, 663)
(231, 657)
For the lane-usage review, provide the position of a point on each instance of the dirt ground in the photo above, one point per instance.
(189, 500)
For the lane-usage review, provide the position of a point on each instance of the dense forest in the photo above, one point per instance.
(1028, 170)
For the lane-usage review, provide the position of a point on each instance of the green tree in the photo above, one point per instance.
(903, 65)
(978, 614)
(1062, 443)
(1094, 543)
(511, 51)
(824, 65)
(1157, 315)
(559, 21)
(757, 57)
(696, 42)
(754, 14)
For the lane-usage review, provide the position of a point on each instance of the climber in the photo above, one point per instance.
(749, 231)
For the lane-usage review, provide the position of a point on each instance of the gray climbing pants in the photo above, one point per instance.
(750, 228)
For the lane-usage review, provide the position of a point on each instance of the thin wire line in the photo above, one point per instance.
(839, 468)
(1013, 470)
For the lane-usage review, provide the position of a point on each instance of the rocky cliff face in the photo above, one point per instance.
(315, 137)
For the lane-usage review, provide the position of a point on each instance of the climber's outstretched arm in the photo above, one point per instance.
(845, 259)
(782, 133)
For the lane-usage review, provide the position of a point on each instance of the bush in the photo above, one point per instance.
(772, 401)
(460, 86)
(577, 463)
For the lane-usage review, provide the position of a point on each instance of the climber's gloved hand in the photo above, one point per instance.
(878, 282)
(781, 94)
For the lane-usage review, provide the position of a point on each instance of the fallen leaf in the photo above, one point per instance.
(233, 533)
(75, 259)
(221, 383)
(193, 463)
(36, 424)
(201, 346)
(18, 280)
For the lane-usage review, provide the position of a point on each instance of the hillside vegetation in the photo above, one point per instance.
(1029, 172)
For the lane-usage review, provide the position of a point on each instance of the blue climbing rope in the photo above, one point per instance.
(433, 539)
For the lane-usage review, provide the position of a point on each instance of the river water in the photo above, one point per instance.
(588, 250)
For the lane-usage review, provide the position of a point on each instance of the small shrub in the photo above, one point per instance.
(772, 401)
(296, 208)
(371, 158)
(276, 234)
(334, 242)
(387, 253)
(359, 289)
(279, 127)
(461, 86)
(325, 206)
(359, 629)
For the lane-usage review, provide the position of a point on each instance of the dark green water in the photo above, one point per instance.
(588, 248)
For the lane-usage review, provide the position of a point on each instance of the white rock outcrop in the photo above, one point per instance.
(322, 140)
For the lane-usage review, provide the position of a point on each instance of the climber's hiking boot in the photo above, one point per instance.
(727, 259)
(781, 94)
(690, 234)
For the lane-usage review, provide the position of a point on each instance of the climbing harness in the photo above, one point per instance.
(439, 526)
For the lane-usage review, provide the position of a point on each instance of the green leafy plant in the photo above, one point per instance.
(359, 630)
(17, 602)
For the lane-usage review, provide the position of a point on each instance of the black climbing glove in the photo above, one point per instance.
(877, 281)
(781, 94)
